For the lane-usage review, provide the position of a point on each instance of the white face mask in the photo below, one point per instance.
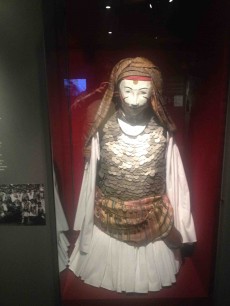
(135, 93)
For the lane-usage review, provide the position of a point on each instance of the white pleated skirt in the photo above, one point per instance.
(117, 266)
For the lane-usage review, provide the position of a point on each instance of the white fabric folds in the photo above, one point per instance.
(117, 266)
(85, 210)
(103, 261)
(61, 226)
(178, 193)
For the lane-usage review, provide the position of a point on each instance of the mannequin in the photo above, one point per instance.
(134, 211)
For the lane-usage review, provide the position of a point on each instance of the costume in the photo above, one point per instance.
(136, 173)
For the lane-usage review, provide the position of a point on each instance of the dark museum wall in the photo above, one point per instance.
(28, 254)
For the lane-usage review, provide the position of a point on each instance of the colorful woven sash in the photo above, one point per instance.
(134, 222)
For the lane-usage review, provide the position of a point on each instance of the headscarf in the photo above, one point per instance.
(137, 66)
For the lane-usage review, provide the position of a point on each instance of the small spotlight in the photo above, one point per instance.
(150, 5)
(170, 0)
(110, 32)
(155, 37)
(108, 7)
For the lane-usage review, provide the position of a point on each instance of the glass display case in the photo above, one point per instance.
(90, 38)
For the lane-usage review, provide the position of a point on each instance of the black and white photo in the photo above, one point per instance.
(22, 204)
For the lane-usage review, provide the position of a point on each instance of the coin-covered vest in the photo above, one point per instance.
(130, 203)
(132, 167)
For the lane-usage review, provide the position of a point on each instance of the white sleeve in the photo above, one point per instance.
(84, 219)
(178, 193)
(61, 226)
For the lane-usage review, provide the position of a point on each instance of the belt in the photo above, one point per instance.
(135, 222)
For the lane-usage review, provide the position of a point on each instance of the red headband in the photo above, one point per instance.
(138, 78)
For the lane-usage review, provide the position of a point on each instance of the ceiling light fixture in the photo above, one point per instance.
(108, 7)
(110, 32)
(170, 0)
(150, 5)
